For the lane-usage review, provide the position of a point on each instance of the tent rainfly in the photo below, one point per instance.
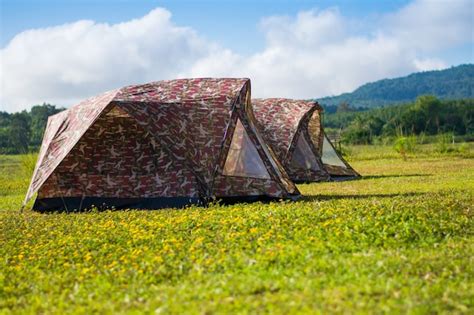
(285, 124)
(162, 144)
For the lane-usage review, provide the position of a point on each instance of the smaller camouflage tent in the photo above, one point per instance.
(294, 131)
(285, 125)
(166, 143)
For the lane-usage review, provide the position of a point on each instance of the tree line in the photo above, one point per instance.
(23, 131)
(427, 115)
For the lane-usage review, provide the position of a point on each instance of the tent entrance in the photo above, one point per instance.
(303, 157)
(334, 163)
(330, 157)
(243, 159)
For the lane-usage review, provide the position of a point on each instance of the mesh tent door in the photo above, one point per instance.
(330, 157)
(303, 157)
(243, 158)
(334, 164)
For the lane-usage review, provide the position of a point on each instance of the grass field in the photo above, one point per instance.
(400, 240)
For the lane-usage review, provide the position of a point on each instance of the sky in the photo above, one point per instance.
(61, 52)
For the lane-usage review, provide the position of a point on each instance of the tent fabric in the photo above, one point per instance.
(315, 130)
(166, 139)
(285, 126)
(62, 132)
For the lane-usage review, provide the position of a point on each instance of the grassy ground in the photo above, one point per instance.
(399, 240)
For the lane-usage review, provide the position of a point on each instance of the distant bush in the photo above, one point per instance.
(445, 143)
(426, 117)
(405, 145)
(464, 148)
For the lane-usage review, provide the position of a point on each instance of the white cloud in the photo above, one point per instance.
(430, 25)
(309, 29)
(66, 63)
(313, 54)
(317, 53)
(429, 64)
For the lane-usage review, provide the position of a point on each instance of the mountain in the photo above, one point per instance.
(453, 83)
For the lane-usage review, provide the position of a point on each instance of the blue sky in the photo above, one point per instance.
(220, 20)
(296, 49)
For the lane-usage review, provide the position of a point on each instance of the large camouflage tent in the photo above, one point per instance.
(167, 143)
(294, 131)
(285, 126)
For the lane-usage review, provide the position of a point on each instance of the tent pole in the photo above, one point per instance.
(80, 205)
(60, 193)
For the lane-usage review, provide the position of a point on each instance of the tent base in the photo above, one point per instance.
(78, 204)
(343, 178)
(338, 171)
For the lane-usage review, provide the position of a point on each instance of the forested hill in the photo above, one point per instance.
(453, 83)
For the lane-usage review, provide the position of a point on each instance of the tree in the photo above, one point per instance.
(343, 108)
(413, 121)
(430, 106)
(358, 132)
(19, 132)
(375, 125)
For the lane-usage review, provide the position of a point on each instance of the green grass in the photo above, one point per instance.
(400, 240)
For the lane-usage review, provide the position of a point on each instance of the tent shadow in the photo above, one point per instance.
(361, 196)
(364, 177)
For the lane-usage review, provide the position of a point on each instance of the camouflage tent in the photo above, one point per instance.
(155, 145)
(294, 131)
(285, 125)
